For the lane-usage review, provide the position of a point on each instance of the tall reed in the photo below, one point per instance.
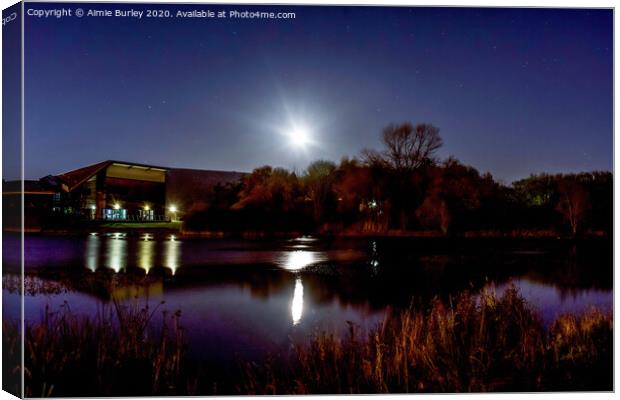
(117, 352)
(472, 344)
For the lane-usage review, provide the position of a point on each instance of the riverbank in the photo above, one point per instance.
(468, 344)
(178, 228)
(471, 344)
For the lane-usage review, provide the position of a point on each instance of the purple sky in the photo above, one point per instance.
(514, 91)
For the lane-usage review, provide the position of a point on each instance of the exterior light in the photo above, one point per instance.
(146, 208)
(93, 207)
(117, 206)
(173, 211)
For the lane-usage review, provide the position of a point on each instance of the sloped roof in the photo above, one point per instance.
(182, 179)
(78, 176)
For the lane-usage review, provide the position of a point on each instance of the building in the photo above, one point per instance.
(114, 190)
(37, 203)
(121, 191)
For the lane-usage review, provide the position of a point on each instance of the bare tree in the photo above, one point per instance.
(574, 203)
(408, 147)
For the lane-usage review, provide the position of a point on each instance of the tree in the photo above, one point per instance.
(319, 179)
(454, 191)
(573, 204)
(408, 147)
(409, 150)
(360, 194)
(536, 190)
(269, 189)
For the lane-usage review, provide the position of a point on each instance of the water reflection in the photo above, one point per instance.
(317, 287)
(551, 301)
(374, 258)
(146, 254)
(298, 259)
(371, 272)
(172, 254)
(297, 306)
(92, 252)
(117, 254)
(305, 239)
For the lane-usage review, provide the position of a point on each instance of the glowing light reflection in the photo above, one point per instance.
(297, 306)
(296, 260)
(92, 252)
(117, 254)
(172, 254)
(146, 255)
(305, 239)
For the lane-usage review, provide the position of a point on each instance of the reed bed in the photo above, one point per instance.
(471, 343)
(119, 352)
(480, 343)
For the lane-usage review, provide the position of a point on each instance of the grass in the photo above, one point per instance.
(470, 344)
(117, 353)
(474, 344)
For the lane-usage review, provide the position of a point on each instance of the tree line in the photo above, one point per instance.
(403, 188)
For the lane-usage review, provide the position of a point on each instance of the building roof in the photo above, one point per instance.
(184, 181)
(182, 178)
(78, 176)
(30, 187)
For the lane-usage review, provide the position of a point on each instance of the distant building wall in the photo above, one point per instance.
(187, 189)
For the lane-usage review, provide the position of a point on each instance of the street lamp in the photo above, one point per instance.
(173, 211)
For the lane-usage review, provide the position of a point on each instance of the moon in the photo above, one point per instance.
(299, 137)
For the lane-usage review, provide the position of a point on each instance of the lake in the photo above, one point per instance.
(243, 299)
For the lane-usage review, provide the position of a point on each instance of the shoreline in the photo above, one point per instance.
(258, 235)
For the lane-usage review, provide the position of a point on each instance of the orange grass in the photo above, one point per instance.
(474, 344)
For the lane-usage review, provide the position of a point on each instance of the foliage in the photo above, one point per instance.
(473, 344)
(469, 343)
(318, 181)
(118, 353)
(404, 188)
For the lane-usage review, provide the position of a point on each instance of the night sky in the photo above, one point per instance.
(514, 91)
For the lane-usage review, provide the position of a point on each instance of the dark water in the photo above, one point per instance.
(250, 298)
